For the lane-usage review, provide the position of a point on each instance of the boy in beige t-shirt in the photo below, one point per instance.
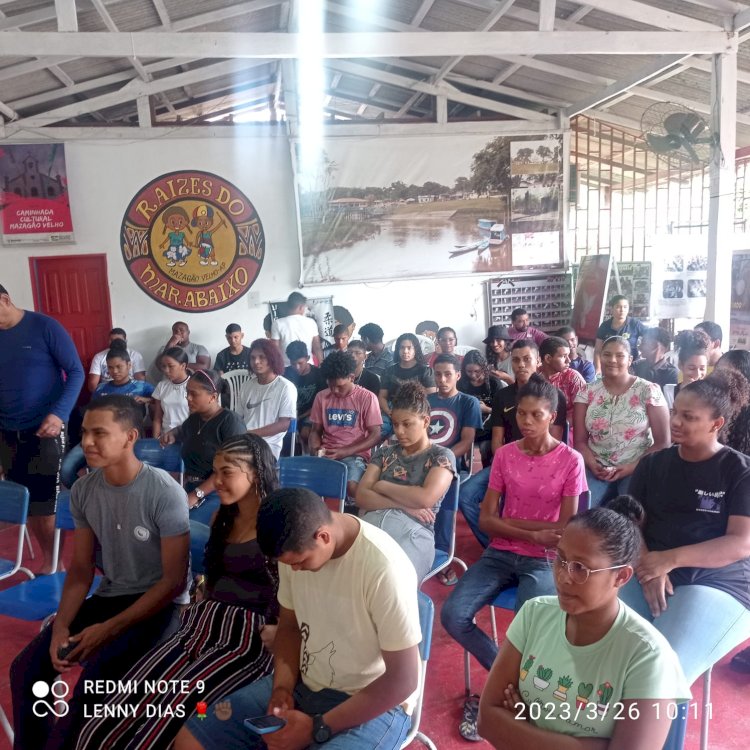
(346, 661)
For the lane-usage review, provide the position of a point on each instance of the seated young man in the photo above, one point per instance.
(582, 366)
(379, 358)
(132, 522)
(235, 356)
(308, 381)
(362, 376)
(345, 655)
(554, 354)
(98, 372)
(655, 366)
(525, 362)
(454, 416)
(345, 419)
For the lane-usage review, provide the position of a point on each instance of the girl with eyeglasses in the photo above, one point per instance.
(201, 434)
(693, 578)
(583, 664)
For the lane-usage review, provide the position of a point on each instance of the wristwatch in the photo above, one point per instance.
(200, 494)
(321, 731)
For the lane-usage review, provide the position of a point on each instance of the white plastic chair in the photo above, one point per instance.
(236, 379)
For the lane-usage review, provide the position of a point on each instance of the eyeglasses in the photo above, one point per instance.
(577, 571)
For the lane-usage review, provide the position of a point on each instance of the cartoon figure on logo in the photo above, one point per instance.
(175, 221)
(203, 218)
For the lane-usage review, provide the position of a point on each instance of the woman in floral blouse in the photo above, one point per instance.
(618, 420)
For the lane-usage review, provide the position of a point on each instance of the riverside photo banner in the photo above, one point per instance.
(34, 194)
(388, 208)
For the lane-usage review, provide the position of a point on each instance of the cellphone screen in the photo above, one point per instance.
(265, 724)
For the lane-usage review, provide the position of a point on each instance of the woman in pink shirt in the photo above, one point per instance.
(533, 491)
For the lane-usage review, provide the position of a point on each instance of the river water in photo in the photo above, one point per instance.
(407, 245)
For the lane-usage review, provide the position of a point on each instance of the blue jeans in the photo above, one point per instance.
(385, 732)
(701, 623)
(602, 491)
(470, 497)
(495, 571)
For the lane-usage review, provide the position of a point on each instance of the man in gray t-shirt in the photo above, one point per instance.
(131, 522)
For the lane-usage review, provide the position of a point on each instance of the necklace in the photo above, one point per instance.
(206, 421)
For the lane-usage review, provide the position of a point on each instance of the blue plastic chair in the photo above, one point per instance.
(445, 533)
(169, 458)
(324, 476)
(199, 533)
(39, 598)
(426, 619)
(14, 509)
(506, 599)
(290, 439)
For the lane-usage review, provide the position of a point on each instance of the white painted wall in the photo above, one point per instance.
(104, 176)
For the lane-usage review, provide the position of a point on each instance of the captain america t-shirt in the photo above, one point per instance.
(448, 416)
(346, 420)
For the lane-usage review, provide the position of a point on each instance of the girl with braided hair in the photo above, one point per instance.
(223, 642)
(404, 484)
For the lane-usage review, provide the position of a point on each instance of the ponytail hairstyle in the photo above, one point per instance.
(211, 381)
(177, 353)
(118, 349)
(538, 387)
(250, 453)
(411, 396)
(691, 343)
(616, 524)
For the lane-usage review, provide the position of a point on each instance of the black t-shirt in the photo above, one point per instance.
(369, 380)
(485, 392)
(307, 386)
(662, 373)
(504, 413)
(688, 502)
(395, 375)
(226, 361)
(199, 448)
(632, 330)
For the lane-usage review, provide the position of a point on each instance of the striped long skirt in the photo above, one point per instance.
(216, 651)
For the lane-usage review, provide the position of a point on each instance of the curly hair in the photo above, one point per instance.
(727, 394)
(415, 342)
(659, 335)
(251, 454)
(338, 366)
(737, 359)
(271, 353)
(691, 343)
(411, 396)
(474, 357)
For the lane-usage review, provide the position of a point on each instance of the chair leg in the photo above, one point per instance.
(467, 673)
(8, 728)
(706, 709)
(425, 740)
(494, 624)
(28, 542)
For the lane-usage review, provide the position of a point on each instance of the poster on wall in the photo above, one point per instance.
(394, 208)
(34, 203)
(635, 284)
(679, 276)
(320, 309)
(739, 317)
(192, 241)
(590, 295)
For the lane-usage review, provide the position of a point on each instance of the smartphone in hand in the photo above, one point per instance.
(265, 724)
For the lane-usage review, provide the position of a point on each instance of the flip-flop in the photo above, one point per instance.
(448, 577)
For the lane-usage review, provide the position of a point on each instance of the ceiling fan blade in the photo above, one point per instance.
(663, 144)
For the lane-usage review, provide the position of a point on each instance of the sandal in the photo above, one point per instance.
(468, 726)
(448, 577)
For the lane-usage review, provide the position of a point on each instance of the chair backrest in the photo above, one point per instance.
(14, 503)
(426, 620)
(322, 475)
(63, 516)
(199, 533)
(151, 452)
(445, 523)
(236, 379)
(72, 463)
(290, 438)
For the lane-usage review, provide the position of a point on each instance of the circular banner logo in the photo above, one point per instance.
(192, 241)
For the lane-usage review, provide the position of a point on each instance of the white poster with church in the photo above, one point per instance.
(34, 204)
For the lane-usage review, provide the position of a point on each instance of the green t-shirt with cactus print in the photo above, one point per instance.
(579, 690)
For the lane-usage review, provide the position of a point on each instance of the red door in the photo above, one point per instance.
(74, 290)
